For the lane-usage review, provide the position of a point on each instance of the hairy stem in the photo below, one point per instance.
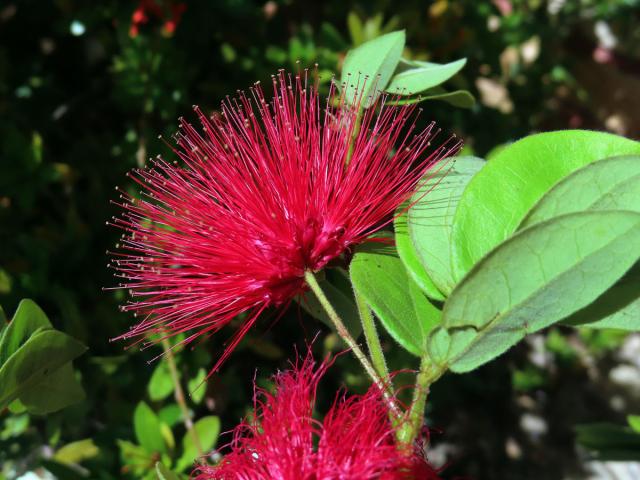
(180, 397)
(342, 331)
(427, 374)
(371, 336)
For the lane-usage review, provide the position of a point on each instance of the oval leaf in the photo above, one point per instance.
(609, 184)
(419, 79)
(160, 385)
(208, 430)
(497, 199)
(379, 276)
(431, 219)
(539, 276)
(148, 430)
(376, 60)
(76, 452)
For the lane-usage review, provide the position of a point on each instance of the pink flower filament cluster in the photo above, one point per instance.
(283, 441)
(263, 193)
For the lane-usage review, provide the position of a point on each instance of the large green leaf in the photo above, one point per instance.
(148, 429)
(28, 318)
(57, 391)
(424, 77)
(618, 307)
(376, 60)
(431, 218)
(380, 277)
(35, 361)
(410, 259)
(609, 184)
(537, 277)
(497, 199)
(208, 430)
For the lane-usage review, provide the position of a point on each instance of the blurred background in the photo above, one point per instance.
(85, 89)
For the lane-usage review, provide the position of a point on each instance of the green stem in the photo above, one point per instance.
(427, 374)
(180, 397)
(371, 336)
(343, 333)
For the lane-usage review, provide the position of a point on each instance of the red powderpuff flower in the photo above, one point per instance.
(264, 194)
(282, 440)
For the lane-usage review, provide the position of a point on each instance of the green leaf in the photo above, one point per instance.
(28, 318)
(17, 406)
(618, 307)
(136, 457)
(160, 385)
(208, 430)
(170, 414)
(410, 259)
(76, 452)
(537, 277)
(379, 276)
(197, 386)
(164, 473)
(354, 24)
(609, 441)
(431, 218)
(35, 361)
(341, 301)
(422, 78)
(457, 98)
(57, 391)
(146, 425)
(634, 422)
(497, 199)
(371, 64)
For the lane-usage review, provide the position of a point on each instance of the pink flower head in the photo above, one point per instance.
(282, 440)
(263, 193)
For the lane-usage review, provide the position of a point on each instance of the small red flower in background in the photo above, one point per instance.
(145, 8)
(265, 194)
(283, 441)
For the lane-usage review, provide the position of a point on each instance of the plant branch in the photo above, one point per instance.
(427, 374)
